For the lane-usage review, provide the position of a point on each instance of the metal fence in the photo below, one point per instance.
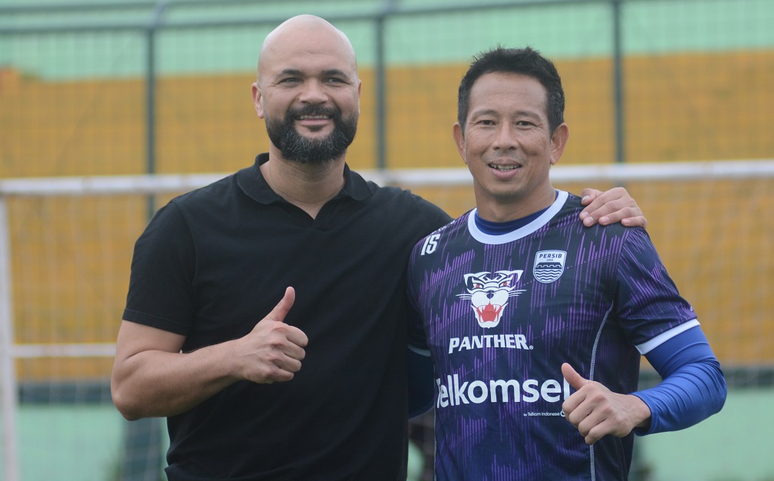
(147, 20)
(150, 87)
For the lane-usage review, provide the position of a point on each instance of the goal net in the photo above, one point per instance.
(65, 254)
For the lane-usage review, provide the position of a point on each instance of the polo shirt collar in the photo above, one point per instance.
(252, 183)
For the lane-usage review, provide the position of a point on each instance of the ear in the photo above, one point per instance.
(459, 140)
(256, 92)
(359, 87)
(559, 142)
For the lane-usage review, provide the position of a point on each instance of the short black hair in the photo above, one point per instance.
(523, 61)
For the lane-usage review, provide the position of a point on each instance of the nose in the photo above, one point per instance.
(313, 92)
(505, 137)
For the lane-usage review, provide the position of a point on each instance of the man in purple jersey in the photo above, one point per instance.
(536, 325)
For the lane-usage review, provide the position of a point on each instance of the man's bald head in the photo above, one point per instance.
(308, 90)
(307, 34)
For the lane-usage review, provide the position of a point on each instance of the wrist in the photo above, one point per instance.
(641, 414)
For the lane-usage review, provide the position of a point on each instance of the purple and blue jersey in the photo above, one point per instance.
(501, 313)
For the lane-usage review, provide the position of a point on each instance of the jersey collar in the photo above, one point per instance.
(523, 231)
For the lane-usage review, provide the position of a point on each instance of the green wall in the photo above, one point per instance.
(560, 32)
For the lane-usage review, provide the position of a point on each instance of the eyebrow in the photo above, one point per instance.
(325, 73)
(335, 72)
(289, 71)
(519, 113)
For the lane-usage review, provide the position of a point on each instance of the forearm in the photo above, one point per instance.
(690, 395)
(693, 387)
(151, 377)
(156, 383)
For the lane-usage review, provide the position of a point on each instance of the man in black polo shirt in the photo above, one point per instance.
(197, 345)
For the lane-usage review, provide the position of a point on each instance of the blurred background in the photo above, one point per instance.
(95, 94)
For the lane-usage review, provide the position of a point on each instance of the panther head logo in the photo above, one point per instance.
(489, 293)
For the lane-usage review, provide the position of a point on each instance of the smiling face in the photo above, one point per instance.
(508, 145)
(311, 150)
(308, 90)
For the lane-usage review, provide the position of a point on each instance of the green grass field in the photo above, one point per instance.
(84, 443)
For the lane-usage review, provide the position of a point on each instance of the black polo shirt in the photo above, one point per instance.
(215, 261)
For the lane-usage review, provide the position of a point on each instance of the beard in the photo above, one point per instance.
(298, 148)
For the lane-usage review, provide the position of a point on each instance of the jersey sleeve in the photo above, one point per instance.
(434, 218)
(421, 374)
(649, 305)
(415, 333)
(160, 286)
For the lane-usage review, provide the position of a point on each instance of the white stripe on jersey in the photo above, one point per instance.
(648, 346)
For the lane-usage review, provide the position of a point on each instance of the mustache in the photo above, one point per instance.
(332, 112)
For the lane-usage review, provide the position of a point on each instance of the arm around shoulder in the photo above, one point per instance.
(614, 205)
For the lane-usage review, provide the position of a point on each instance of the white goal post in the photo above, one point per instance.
(12, 351)
(407, 178)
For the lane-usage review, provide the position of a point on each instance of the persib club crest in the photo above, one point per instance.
(549, 266)
(489, 293)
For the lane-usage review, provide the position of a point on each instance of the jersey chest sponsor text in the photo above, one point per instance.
(454, 392)
(497, 341)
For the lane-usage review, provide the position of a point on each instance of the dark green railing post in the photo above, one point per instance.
(380, 78)
(618, 83)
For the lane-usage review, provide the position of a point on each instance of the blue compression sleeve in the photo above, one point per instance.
(421, 384)
(693, 386)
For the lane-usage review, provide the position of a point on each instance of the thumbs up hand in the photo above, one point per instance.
(273, 350)
(596, 411)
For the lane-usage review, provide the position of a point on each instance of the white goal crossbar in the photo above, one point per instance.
(167, 183)
(10, 351)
